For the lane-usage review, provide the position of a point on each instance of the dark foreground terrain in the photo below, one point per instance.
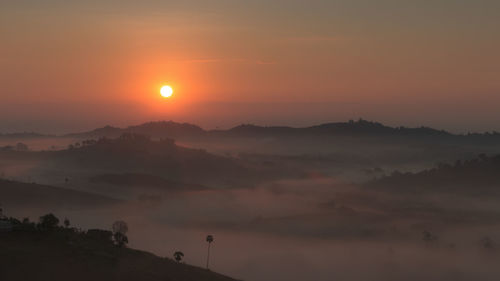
(68, 254)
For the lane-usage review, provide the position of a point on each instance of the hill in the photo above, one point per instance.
(184, 130)
(479, 176)
(178, 131)
(14, 193)
(351, 128)
(141, 155)
(161, 129)
(133, 155)
(63, 254)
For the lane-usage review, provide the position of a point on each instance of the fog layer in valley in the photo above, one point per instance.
(280, 207)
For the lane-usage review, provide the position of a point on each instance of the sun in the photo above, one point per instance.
(166, 91)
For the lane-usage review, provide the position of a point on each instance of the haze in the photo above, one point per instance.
(294, 62)
(291, 141)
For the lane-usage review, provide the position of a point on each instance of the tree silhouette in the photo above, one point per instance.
(178, 256)
(210, 239)
(120, 228)
(66, 222)
(48, 222)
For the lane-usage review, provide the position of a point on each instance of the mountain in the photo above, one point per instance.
(161, 129)
(62, 254)
(170, 129)
(351, 128)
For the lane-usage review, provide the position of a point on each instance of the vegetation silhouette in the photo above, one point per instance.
(178, 256)
(66, 223)
(48, 222)
(210, 239)
(120, 229)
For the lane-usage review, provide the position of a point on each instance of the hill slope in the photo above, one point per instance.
(62, 255)
(477, 176)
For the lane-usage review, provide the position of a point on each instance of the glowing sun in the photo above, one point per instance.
(166, 91)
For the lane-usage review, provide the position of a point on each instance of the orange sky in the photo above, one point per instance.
(400, 62)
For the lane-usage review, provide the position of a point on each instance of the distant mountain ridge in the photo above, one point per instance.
(161, 129)
(353, 128)
(172, 129)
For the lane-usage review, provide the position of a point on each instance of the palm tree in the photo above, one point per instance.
(178, 256)
(210, 239)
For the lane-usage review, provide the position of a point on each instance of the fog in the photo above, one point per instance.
(314, 216)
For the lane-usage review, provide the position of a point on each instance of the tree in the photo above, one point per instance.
(66, 222)
(48, 222)
(210, 239)
(1, 213)
(120, 228)
(178, 256)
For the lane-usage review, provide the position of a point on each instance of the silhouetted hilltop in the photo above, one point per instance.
(363, 127)
(171, 129)
(360, 127)
(107, 131)
(477, 176)
(351, 128)
(139, 154)
(45, 251)
(248, 130)
(38, 195)
(161, 129)
(167, 129)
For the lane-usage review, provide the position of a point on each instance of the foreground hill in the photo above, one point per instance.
(63, 254)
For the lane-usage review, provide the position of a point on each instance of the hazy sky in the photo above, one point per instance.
(74, 65)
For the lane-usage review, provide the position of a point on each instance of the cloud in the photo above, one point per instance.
(229, 60)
